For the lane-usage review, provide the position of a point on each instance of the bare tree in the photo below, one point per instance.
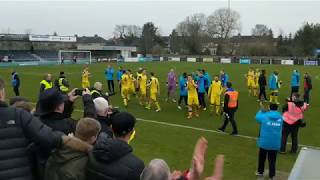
(124, 30)
(261, 30)
(192, 31)
(120, 30)
(223, 23)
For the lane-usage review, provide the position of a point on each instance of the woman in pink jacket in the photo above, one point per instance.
(293, 120)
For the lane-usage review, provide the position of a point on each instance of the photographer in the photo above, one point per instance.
(100, 110)
(293, 120)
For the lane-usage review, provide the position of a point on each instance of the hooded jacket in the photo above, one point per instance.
(270, 129)
(66, 164)
(18, 129)
(112, 159)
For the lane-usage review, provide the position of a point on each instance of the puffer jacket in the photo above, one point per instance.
(112, 159)
(18, 129)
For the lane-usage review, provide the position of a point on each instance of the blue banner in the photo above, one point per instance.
(245, 61)
(311, 63)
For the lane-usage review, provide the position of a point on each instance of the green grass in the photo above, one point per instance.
(174, 144)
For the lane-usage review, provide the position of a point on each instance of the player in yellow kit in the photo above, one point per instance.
(85, 77)
(125, 88)
(256, 82)
(154, 92)
(193, 100)
(250, 80)
(142, 80)
(131, 82)
(214, 94)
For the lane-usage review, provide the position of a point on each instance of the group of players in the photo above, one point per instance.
(193, 88)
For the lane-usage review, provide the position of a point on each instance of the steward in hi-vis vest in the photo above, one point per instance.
(230, 107)
(46, 83)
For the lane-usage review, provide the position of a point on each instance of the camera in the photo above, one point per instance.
(78, 92)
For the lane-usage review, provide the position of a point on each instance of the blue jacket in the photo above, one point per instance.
(270, 129)
(15, 80)
(109, 73)
(208, 80)
(273, 84)
(183, 86)
(295, 79)
(119, 74)
(201, 84)
(224, 78)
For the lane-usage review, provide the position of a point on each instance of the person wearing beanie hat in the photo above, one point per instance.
(112, 158)
(51, 106)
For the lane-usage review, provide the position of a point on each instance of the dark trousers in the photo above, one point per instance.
(202, 101)
(119, 85)
(16, 90)
(294, 89)
(262, 92)
(306, 95)
(111, 85)
(292, 130)
(272, 157)
(229, 116)
(184, 98)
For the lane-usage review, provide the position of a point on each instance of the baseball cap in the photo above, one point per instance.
(123, 123)
(49, 100)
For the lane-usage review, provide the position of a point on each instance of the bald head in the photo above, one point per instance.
(157, 169)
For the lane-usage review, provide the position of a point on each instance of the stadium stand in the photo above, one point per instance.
(17, 56)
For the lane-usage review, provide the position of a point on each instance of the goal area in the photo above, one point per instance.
(74, 57)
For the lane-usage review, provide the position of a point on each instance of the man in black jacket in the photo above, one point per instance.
(230, 107)
(112, 159)
(262, 85)
(51, 110)
(18, 129)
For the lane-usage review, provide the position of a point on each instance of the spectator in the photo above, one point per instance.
(269, 140)
(307, 88)
(229, 109)
(293, 120)
(21, 102)
(109, 77)
(20, 130)
(113, 158)
(66, 163)
(51, 107)
(295, 82)
(262, 81)
(157, 169)
(15, 80)
(99, 109)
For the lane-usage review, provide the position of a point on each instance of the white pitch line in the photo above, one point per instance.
(204, 130)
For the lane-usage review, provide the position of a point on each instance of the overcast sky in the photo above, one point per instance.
(89, 18)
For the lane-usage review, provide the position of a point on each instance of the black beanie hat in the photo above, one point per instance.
(49, 100)
(123, 123)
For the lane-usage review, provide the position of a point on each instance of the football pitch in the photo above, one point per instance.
(169, 134)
